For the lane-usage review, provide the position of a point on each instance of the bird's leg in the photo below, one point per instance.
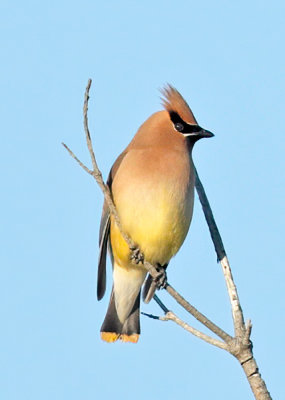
(161, 279)
(136, 256)
(154, 281)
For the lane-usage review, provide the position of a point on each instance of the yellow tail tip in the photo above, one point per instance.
(130, 338)
(110, 337)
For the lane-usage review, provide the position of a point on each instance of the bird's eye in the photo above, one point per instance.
(179, 126)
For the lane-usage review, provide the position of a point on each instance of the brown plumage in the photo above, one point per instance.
(152, 184)
(173, 101)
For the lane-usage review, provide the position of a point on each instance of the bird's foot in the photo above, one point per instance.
(161, 278)
(136, 256)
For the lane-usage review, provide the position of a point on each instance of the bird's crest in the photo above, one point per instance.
(172, 101)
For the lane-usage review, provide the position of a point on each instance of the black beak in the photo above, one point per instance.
(205, 134)
(195, 131)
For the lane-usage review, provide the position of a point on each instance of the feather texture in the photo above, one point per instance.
(173, 101)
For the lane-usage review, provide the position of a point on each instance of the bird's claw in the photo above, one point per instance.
(161, 278)
(136, 256)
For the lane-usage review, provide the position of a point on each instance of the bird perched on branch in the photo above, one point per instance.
(152, 185)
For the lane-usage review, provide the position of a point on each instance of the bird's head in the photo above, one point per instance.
(181, 116)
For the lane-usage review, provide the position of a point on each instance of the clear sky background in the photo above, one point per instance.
(227, 59)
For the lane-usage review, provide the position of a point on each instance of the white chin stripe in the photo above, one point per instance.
(190, 134)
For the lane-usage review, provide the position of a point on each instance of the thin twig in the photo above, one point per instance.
(160, 303)
(96, 173)
(237, 313)
(77, 159)
(150, 315)
(87, 133)
(215, 234)
(170, 316)
(199, 316)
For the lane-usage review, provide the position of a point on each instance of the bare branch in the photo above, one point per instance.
(96, 173)
(87, 133)
(160, 303)
(222, 257)
(76, 159)
(248, 327)
(199, 316)
(215, 234)
(240, 346)
(254, 378)
(151, 315)
(233, 296)
(170, 316)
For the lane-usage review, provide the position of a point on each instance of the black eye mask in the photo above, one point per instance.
(182, 126)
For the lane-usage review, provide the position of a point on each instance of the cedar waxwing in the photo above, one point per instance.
(152, 184)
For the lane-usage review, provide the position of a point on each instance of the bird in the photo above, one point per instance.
(152, 186)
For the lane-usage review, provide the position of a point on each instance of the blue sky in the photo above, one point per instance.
(227, 60)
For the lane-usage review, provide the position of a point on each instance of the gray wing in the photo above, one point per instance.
(105, 233)
(103, 242)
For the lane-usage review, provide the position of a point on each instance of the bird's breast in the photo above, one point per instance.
(154, 199)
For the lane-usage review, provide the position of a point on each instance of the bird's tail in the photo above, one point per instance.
(113, 329)
(122, 319)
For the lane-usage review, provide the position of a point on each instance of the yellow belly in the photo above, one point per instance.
(157, 221)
